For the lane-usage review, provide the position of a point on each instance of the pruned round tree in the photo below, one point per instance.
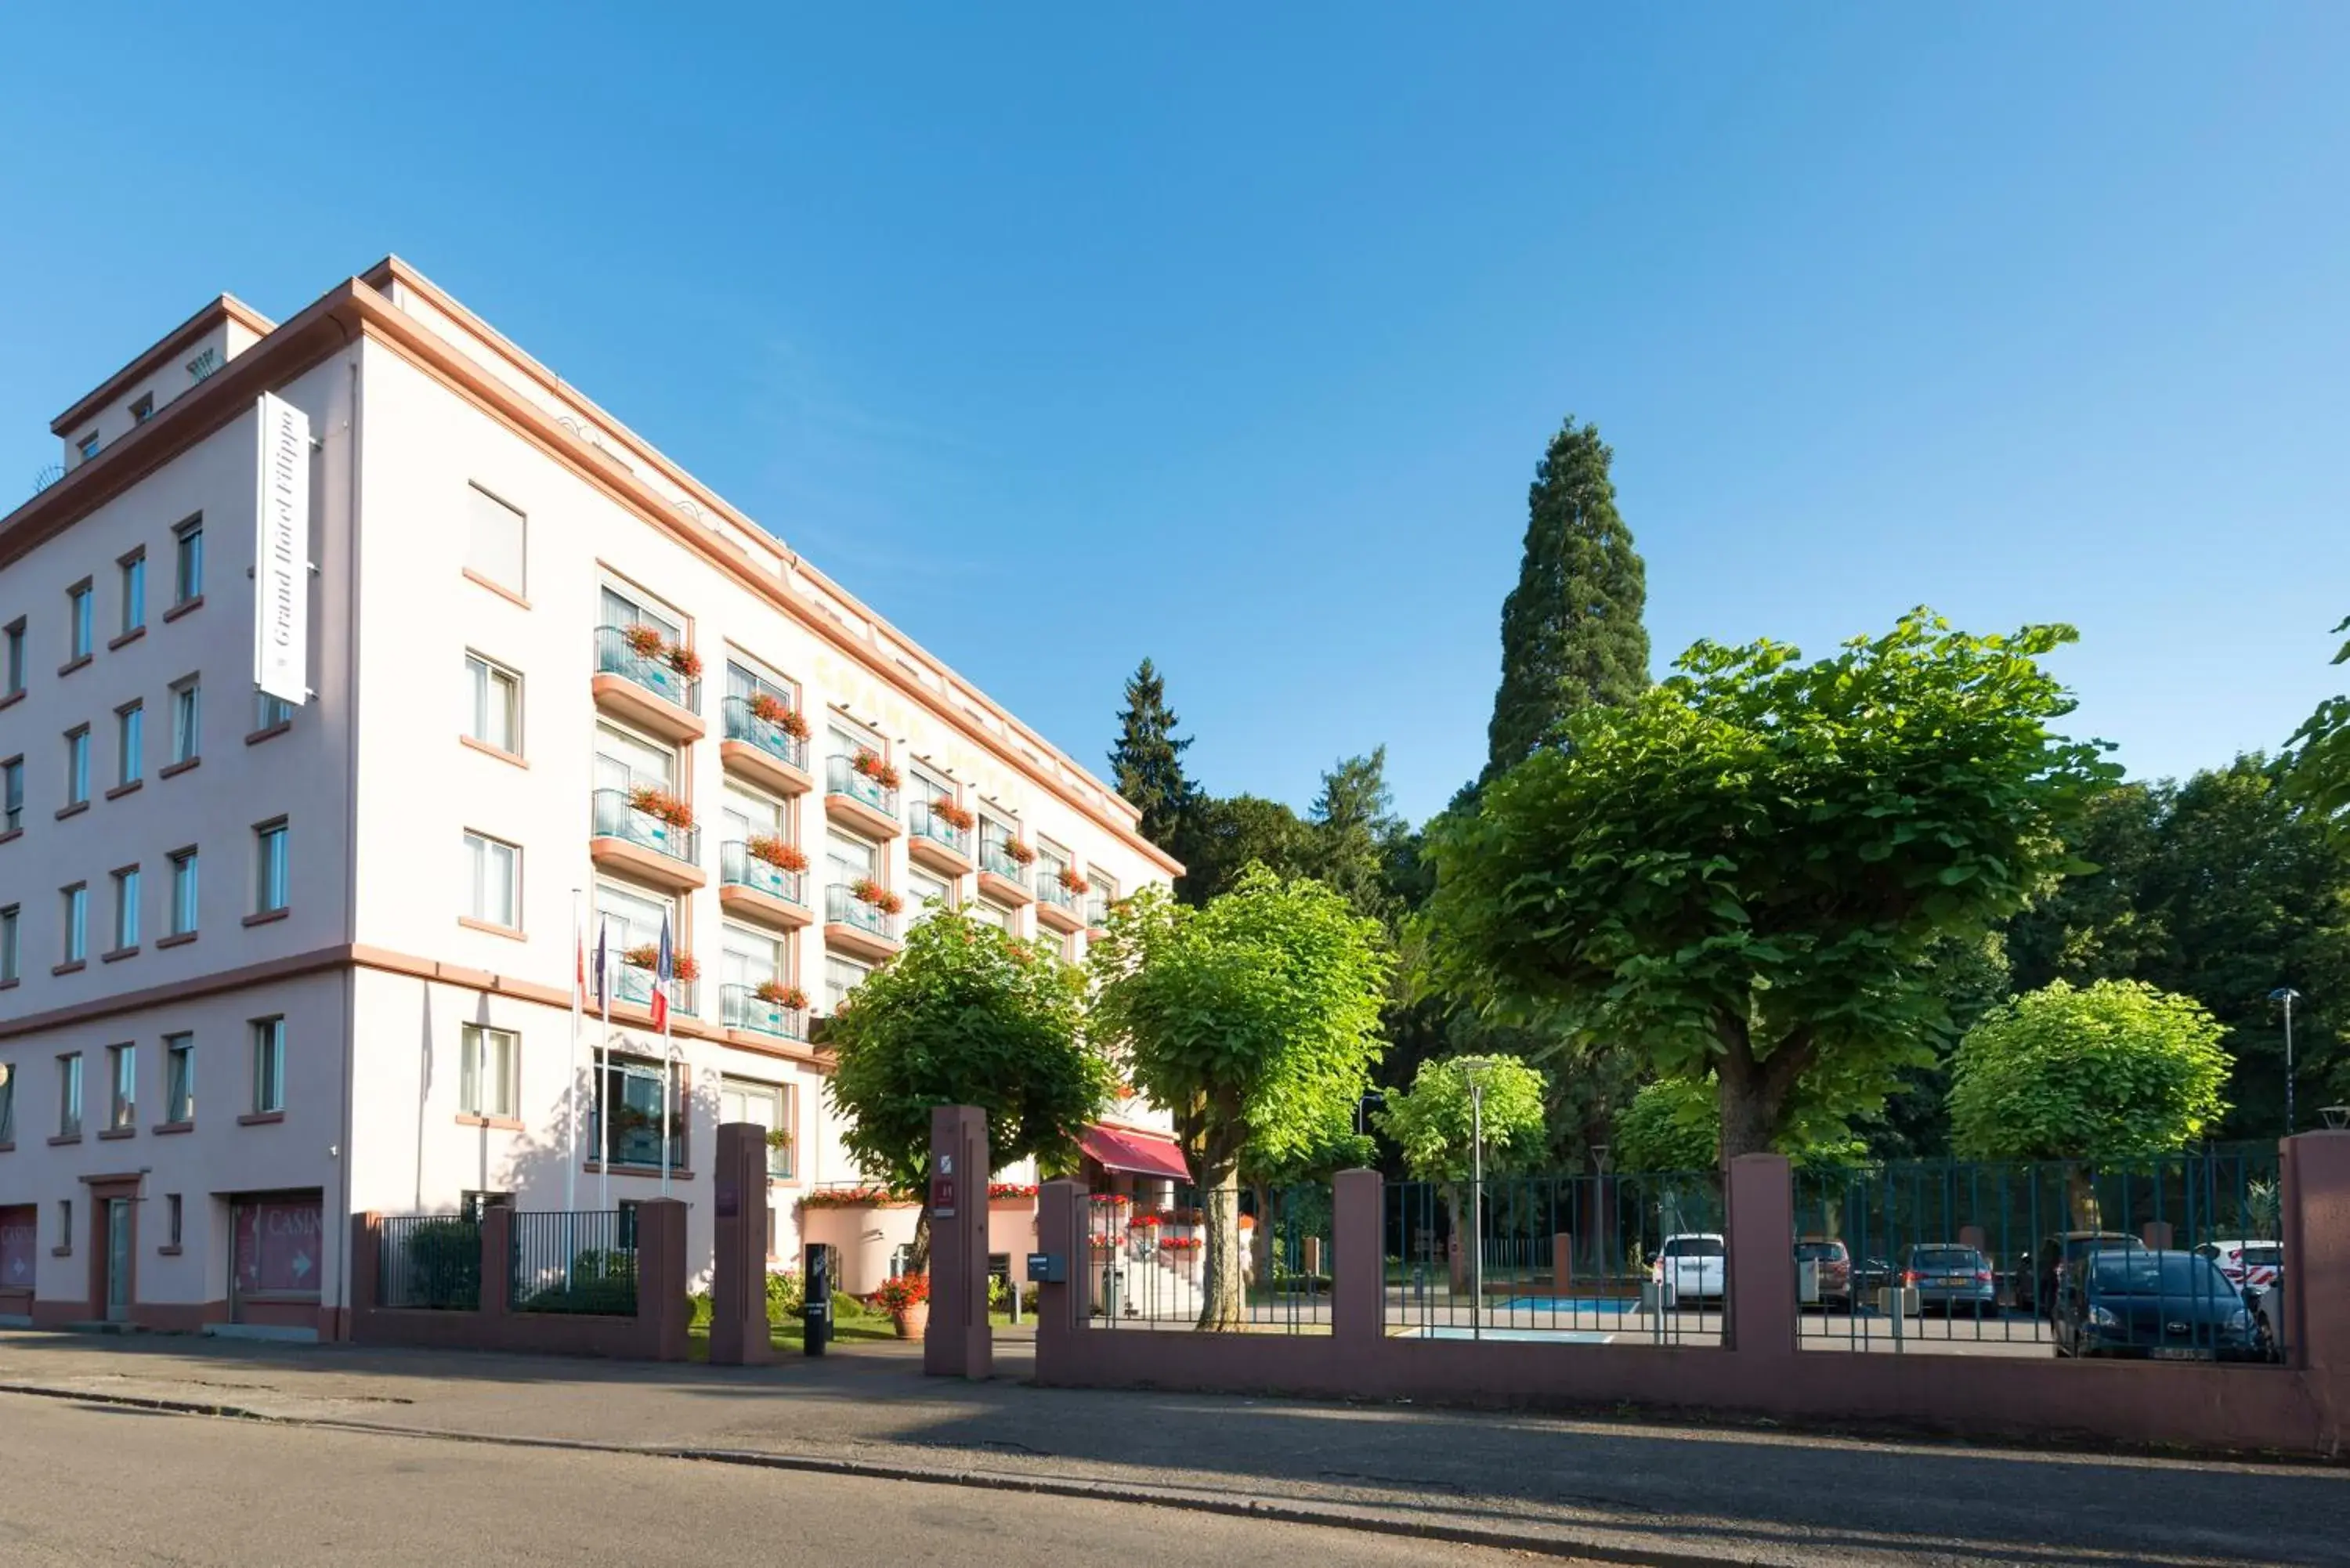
(966, 1015)
(2106, 1073)
(1254, 1020)
(1675, 1124)
(1742, 872)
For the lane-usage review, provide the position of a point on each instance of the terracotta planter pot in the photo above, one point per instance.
(912, 1322)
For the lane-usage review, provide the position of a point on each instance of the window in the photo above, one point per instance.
(126, 909)
(122, 1073)
(268, 1066)
(76, 899)
(8, 946)
(747, 960)
(187, 720)
(80, 611)
(12, 794)
(269, 892)
(625, 608)
(630, 1094)
(493, 541)
(629, 918)
(172, 1220)
(7, 1103)
(188, 562)
(141, 410)
(924, 893)
(134, 592)
(995, 915)
(495, 869)
(841, 976)
(487, 1081)
(740, 1100)
(271, 712)
(183, 893)
(69, 1096)
(77, 766)
(179, 1078)
(623, 761)
(15, 658)
(131, 735)
(849, 859)
(495, 719)
(88, 446)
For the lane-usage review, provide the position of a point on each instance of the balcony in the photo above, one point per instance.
(932, 841)
(1002, 877)
(645, 689)
(763, 753)
(638, 843)
(1097, 913)
(633, 984)
(861, 804)
(1057, 905)
(763, 891)
(854, 927)
(741, 1007)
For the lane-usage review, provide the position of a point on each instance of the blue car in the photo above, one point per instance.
(2161, 1305)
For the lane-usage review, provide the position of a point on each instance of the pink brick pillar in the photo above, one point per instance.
(497, 1261)
(1760, 1197)
(2315, 1212)
(1561, 1263)
(958, 1342)
(366, 1260)
(2157, 1234)
(1359, 1261)
(1060, 1231)
(738, 1269)
(663, 1311)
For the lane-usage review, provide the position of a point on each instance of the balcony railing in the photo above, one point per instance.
(997, 863)
(737, 864)
(1097, 911)
(742, 724)
(841, 908)
(652, 672)
(1049, 890)
(635, 985)
(841, 777)
(924, 822)
(616, 819)
(740, 1007)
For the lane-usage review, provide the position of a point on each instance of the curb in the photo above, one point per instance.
(1326, 1515)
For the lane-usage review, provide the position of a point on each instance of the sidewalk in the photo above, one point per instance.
(1634, 1491)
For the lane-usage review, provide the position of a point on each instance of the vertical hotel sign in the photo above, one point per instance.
(281, 569)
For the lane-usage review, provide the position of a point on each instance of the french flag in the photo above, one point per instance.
(661, 981)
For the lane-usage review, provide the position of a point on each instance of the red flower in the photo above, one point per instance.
(776, 993)
(1019, 851)
(646, 641)
(899, 1292)
(869, 761)
(660, 802)
(647, 956)
(951, 814)
(783, 856)
(865, 890)
(685, 662)
(1071, 882)
(770, 709)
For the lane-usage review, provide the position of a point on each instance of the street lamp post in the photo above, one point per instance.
(2287, 995)
(1475, 1071)
(1360, 1101)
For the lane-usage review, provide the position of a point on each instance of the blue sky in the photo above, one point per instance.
(1068, 337)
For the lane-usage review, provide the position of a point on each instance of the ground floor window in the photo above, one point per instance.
(768, 1105)
(278, 1247)
(630, 1088)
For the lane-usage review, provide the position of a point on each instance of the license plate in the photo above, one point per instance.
(1954, 1284)
(2179, 1353)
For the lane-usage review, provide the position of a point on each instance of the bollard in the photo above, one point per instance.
(815, 1308)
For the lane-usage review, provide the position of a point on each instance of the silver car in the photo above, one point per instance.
(1951, 1279)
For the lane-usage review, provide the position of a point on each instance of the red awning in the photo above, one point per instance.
(1137, 1153)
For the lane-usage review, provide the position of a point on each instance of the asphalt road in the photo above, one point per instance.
(103, 1484)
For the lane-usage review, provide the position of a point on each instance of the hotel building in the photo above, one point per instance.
(268, 964)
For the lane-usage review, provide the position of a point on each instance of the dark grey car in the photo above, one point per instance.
(1950, 1279)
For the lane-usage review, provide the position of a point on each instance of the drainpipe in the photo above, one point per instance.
(350, 825)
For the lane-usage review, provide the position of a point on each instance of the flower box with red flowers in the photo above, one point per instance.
(770, 709)
(869, 761)
(783, 856)
(865, 890)
(655, 802)
(776, 993)
(647, 956)
(1180, 1243)
(951, 814)
(1019, 852)
(1071, 882)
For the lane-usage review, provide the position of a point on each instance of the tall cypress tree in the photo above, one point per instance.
(1571, 631)
(1147, 763)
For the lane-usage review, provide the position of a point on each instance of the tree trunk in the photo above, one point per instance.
(2081, 1198)
(918, 1253)
(1756, 1094)
(1223, 1298)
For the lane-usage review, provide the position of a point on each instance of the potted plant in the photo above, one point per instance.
(770, 709)
(783, 856)
(906, 1299)
(1018, 851)
(780, 1139)
(647, 956)
(656, 802)
(865, 890)
(1071, 882)
(646, 641)
(776, 993)
(869, 761)
(951, 814)
(684, 660)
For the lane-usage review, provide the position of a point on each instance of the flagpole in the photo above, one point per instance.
(660, 980)
(604, 1068)
(571, 1062)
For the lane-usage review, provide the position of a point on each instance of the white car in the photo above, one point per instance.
(1691, 1267)
(2247, 1264)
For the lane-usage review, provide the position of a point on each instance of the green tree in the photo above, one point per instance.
(2319, 766)
(1224, 835)
(1353, 833)
(1571, 629)
(964, 1016)
(2111, 1073)
(2096, 924)
(1675, 1124)
(1255, 1020)
(1742, 873)
(1436, 1123)
(1147, 762)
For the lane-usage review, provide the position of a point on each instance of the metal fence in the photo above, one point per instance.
(430, 1262)
(1595, 1258)
(2169, 1257)
(1150, 1265)
(575, 1262)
